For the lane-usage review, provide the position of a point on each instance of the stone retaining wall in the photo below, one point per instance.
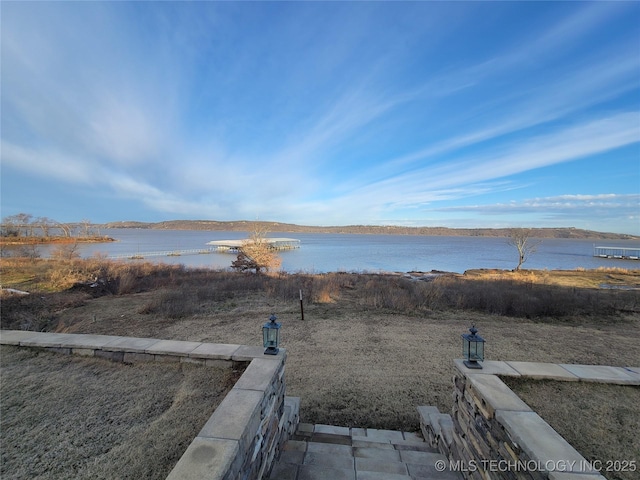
(493, 434)
(244, 434)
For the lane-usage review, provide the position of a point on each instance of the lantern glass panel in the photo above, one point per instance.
(476, 351)
(270, 337)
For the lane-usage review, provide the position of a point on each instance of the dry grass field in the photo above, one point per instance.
(76, 417)
(601, 420)
(371, 347)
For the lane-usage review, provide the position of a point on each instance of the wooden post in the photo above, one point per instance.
(301, 308)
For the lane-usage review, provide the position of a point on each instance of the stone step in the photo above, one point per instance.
(329, 452)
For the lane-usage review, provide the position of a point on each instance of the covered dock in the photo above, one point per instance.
(236, 245)
(624, 253)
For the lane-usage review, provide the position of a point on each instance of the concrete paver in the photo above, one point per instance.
(205, 458)
(328, 438)
(497, 395)
(536, 437)
(364, 475)
(543, 370)
(215, 351)
(292, 456)
(574, 476)
(130, 344)
(258, 375)
(314, 472)
(295, 445)
(380, 465)
(13, 337)
(330, 448)
(356, 453)
(356, 442)
(421, 458)
(602, 374)
(389, 435)
(333, 430)
(328, 460)
(489, 367)
(391, 455)
(233, 415)
(173, 347)
(284, 471)
(429, 471)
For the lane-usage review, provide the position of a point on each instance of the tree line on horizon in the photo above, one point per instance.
(26, 226)
(249, 226)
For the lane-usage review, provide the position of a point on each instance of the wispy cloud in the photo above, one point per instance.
(462, 174)
(582, 204)
(314, 113)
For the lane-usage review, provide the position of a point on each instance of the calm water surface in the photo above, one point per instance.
(372, 253)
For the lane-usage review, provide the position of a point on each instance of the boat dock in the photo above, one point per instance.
(236, 245)
(164, 253)
(222, 246)
(622, 253)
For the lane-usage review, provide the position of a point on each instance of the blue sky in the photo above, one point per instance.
(453, 114)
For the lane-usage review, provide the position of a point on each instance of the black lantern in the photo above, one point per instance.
(472, 348)
(271, 336)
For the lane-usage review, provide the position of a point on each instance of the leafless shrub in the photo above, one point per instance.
(173, 304)
(66, 251)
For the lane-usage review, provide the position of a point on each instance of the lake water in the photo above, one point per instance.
(320, 253)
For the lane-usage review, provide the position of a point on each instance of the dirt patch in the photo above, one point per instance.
(601, 421)
(75, 417)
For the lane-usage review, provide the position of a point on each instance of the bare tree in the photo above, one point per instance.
(66, 229)
(10, 226)
(24, 219)
(257, 254)
(520, 238)
(45, 225)
(86, 225)
(66, 251)
(16, 225)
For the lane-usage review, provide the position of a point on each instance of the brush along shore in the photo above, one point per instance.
(372, 347)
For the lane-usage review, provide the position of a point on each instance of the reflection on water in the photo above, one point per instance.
(335, 252)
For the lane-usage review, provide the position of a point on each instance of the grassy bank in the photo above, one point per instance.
(40, 240)
(371, 347)
(545, 296)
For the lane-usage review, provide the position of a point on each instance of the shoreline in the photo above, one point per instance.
(53, 240)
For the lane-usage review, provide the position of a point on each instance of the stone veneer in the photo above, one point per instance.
(493, 434)
(244, 434)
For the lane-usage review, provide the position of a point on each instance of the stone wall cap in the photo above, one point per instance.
(575, 476)
(489, 367)
(246, 353)
(603, 374)
(88, 341)
(495, 395)
(14, 337)
(173, 347)
(205, 458)
(541, 370)
(218, 351)
(46, 339)
(232, 416)
(258, 375)
(540, 441)
(131, 344)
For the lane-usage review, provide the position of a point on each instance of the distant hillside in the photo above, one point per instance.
(248, 226)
